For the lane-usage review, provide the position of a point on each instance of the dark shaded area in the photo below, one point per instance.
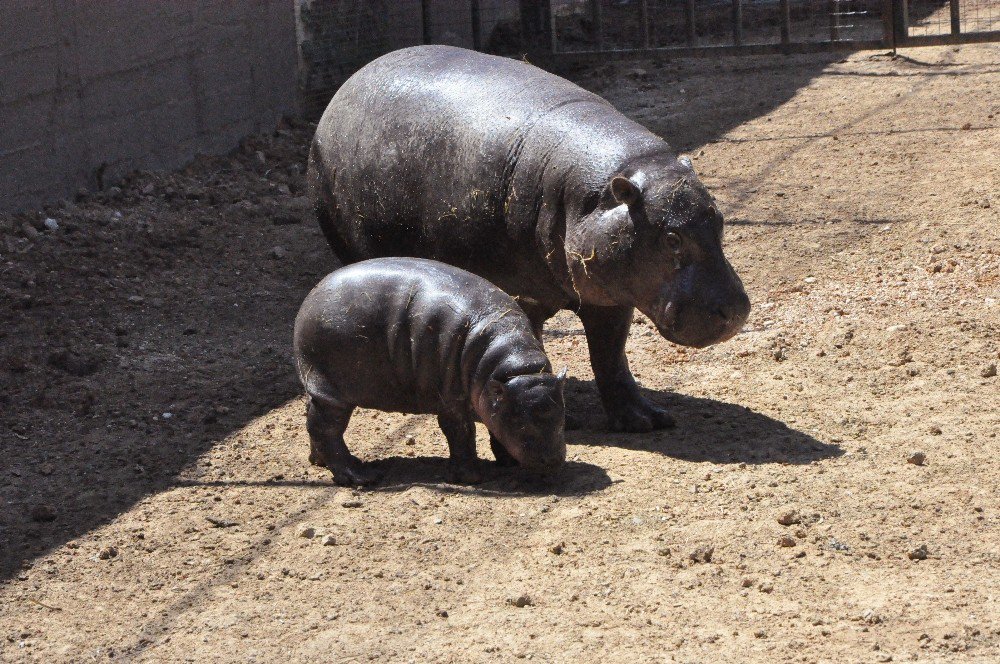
(707, 430)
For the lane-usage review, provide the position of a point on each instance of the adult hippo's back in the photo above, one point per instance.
(526, 179)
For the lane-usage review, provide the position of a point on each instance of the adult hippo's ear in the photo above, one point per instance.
(496, 389)
(627, 190)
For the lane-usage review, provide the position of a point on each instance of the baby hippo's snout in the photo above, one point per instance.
(527, 421)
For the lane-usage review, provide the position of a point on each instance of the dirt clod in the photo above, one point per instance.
(521, 601)
(919, 553)
(789, 518)
(702, 554)
(917, 458)
(786, 541)
(43, 513)
(107, 553)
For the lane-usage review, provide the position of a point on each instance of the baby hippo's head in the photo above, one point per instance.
(527, 415)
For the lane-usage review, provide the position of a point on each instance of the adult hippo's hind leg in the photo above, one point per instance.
(607, 330)
(326, 423)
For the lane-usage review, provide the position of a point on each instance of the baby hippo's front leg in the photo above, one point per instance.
(460, 430)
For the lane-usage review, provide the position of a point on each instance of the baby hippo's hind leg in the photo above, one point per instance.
(460, 431)
(326, 424)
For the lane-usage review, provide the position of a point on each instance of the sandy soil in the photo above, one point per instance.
(156, 503)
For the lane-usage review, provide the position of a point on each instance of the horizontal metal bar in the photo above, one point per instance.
(584, 57)
(944, 40)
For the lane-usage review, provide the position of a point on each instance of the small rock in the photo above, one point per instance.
(919, 553)
(259, 156)
(522, 601)
(703, 554)
(989, 371)
(328, 540)
(51, 224)
(29, 231)
(747, 582)
(767, 587)
(136, 299)
(786, 541)
(664, 552)
(351, 503)
(278, 252)
(442, 614)
(810, 280)
(935, 431)
(967, 126)
(410, 440)
(307, 531)
(107, 553)
(871, 617)
(557, 549)
(147, 189)
(917, 458)
(789, 518)
(759, 634)
(43, 513)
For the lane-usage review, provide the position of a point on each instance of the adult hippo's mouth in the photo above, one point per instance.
(695, 325)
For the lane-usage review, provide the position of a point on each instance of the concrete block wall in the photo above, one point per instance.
(92, 89)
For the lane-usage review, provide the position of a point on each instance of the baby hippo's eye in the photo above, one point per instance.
(672, 240)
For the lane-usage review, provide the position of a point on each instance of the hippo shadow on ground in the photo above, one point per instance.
(574, 478)
(707, 430)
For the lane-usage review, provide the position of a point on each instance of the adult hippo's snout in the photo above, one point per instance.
(702, 306)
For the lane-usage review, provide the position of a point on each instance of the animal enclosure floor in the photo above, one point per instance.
(156, 503)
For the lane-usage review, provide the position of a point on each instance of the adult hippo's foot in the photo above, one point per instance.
(607, 330)
(637, 415)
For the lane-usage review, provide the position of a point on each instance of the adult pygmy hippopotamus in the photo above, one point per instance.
(416, 336)
(526, 179)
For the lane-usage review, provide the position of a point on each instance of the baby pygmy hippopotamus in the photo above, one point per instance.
(410, 335)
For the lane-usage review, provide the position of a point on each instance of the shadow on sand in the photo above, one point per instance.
(707, 430)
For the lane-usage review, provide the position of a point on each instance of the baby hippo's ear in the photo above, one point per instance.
(496, 389)
(561, 377)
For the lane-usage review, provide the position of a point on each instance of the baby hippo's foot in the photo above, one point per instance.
(354, 473)
(465, 472)
(500, 453)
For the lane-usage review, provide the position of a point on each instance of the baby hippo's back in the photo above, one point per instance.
(406, 335)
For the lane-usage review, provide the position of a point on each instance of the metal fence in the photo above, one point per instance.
(603, 27)
(336, 37)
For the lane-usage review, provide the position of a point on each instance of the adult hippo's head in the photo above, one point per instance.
(653, 239)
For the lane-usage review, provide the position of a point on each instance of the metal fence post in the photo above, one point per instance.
(689, 24)
(477, 26)
(737, 23)
(597, 15)
(900, 22)
(644, 17)
(425, 19)
(786, 22)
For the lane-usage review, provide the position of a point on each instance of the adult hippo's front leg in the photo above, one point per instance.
(607, 330)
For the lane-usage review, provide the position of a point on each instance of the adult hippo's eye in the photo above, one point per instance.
(672, 240)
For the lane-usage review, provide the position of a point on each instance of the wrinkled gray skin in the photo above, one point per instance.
(526, 179)
(409, 335)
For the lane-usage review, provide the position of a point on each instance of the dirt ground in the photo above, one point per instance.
(156, 503)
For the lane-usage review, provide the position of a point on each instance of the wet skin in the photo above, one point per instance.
(541, 187)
